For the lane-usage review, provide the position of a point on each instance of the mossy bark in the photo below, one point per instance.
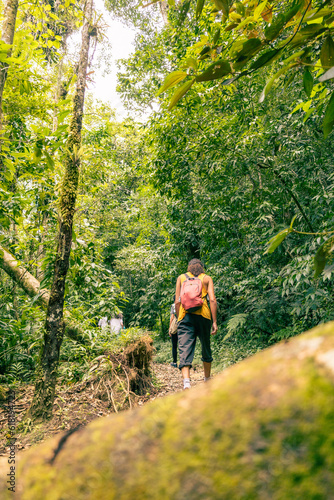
(264, 429)
(54, 328)
(22, 277)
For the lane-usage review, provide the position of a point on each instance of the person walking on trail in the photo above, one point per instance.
(173, 333)
(194, 318)
(116, 324)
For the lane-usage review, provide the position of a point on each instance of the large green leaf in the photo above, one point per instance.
(327, 53)
(249, 48)
(308, 82)
(191, 62)
(264, 59)
(322, 255)
(223, 5)
(216, 36)
(199, 7)
(317, 14)
(216, 70)
(172, 79)
(259, 9)
(234, 324)
(293, 11)
(329, 117)
(308, 33)
(240, 8)
(276, 26)
(276, 240)
(180, 93)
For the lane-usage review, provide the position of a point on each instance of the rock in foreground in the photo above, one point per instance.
(264, 429)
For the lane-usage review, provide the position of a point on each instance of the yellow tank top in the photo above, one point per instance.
(204, 310)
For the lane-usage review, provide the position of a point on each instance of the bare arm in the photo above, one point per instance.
(213, 303)
(172, 315)
(171, 319)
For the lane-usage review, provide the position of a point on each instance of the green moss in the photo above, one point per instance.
(262, 430)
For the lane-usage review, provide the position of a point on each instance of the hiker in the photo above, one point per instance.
(103, 322)
(116, 324)
(194, 318)
(173, 333)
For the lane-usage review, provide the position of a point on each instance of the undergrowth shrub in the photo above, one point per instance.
(75, 358)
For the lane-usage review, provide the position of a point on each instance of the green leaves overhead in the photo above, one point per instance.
(216, 70)
(172, 79)
(251, 35)
(296, 7)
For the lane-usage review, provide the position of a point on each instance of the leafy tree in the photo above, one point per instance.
(244, 37)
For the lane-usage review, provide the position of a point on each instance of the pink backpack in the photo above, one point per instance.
(191, 294)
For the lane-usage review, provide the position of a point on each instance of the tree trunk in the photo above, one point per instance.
(8, 30)
(41, 248)
(31, 286)
(163, 4)
(54, 328)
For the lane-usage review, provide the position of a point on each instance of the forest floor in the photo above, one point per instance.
(75, 406)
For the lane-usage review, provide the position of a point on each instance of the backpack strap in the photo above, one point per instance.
(203, 286)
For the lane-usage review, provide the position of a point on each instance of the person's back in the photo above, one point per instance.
(195, 323)
(116, 324)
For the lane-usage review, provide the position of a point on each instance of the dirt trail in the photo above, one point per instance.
(170, 378)
(74, 408)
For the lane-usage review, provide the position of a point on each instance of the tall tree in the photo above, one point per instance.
(7, 36)
(54, 328)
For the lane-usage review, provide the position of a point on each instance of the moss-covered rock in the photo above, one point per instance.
(263, 429)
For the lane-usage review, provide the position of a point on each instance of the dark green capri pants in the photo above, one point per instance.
(188, 329)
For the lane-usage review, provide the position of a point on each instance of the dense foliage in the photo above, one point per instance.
(216, 178)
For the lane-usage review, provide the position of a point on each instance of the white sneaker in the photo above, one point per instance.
(186, 384)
